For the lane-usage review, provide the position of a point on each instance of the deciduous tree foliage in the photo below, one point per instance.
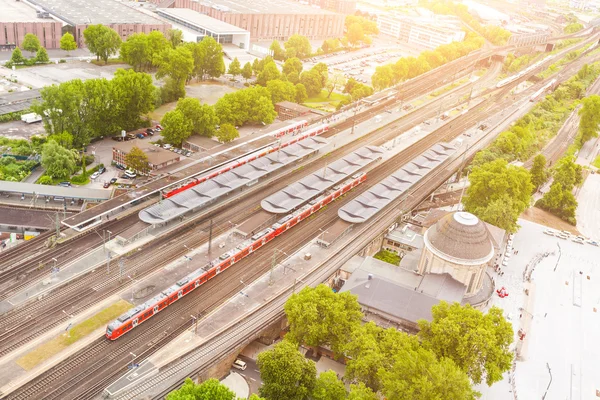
(560, 202)
(201, 116)
(137, 160)
(102, 41)
(176, 64)
(269, 72)
(478, 343)
(297, 46)
(65, 139)
(207, 58)
(175, 37)
(369, 27)
(31, 43)
(301, 94)
(361, 392)
(17, 56)
(417, 374)
(235, 68)
(246, 105)
(285, 373)
(292, 64)
(356, 34)
(493, 181)
(42, 56)
(132, 94)
(567, 172)
(383, 77)
(539, 173)
(227, 133)
(589, 118)
(67, 42)
(211, 389)
(318, 316)
(281, 91)
(176, 127)
(278, 52)
(247, 71)
(328, 387)
(58, 161)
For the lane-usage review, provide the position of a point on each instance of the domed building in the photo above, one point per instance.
(459, 244)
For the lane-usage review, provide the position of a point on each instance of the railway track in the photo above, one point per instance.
(254, 265)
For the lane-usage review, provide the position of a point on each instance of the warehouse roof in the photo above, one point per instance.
(200, 20)
(265, 7)
(210, 190)
(379, 196)
(17, 11)
(314, 184)
(106, 12)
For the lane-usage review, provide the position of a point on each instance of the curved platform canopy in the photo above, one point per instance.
(210, 190)
(307, 188)
(379, 196)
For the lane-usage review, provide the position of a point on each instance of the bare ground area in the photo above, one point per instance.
(542, 217)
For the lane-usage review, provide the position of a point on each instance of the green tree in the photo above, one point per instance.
(202, 116)
(31, 43)
(211, 389)
(175, 37)
(45, 180)
(417, 374)
(102, 41)
(176, 65)
(207, 58)
(247, 71)
(361, 392)
(383, 77)
(355, 34)
(42, 56)
(478, 343)
(318, 316)
(246, 105)
(328, 387)
(297, 46)
(134, 96)
(235, 67)
(281, 91)
(135, 51)
(335, 80)
(270, 72)
(278, 52)
(559, 202)
(58, 161)
(589, 118)
(254, 396)
(137, 160)
(292, 64)
(567, 172)
(17, 56)
(301, 95)
(539, 174)
(368, 26)
(285, 373)
(227, 133)
(67, 43)
(176, 128)
(256, 66)
(573, 27)
(312, 82)
(494, 180)
(64, 139)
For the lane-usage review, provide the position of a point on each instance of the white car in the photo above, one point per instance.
(505, 262)
(239, 364)
(577, 240)
(549, 232)
(95, 175)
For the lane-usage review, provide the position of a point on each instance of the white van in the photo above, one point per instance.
(130, 174)
(239, 364)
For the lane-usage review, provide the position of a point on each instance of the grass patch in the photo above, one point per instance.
(79, 331)
(322, 97)
(596, 162)
(388, 256)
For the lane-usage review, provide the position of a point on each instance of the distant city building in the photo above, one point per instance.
(18, 19)
(339, 6)
(76, 15)
(427, 33)
(578, 4)
(157, 156)
(196, 26)
(269, 19)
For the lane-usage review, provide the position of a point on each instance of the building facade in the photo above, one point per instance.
(158, 157)
(13, 33)
(276, 24)
(347, 7)
(423, 33)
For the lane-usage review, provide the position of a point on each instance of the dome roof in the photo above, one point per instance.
(461, 235)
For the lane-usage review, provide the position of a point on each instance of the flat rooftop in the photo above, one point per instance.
(266, 7)
(85, 12)
(201, 20)
(17, 11)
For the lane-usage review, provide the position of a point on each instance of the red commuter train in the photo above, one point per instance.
(261, 153)
(143, 312)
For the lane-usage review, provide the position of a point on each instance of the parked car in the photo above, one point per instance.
(160, 128)
(150, 131)
(139, 135)
(113, 181)
(95, 175)
(167, 146)
(121, 167)
(65, 184)
(106, 185)
(239, 364)
(549, 232)
(102, 170)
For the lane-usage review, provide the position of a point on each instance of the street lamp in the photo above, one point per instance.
(195, 321)
(132, 287)
(295, 280)
(133, 356)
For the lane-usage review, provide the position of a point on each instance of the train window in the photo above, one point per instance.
(135, 322)
(179, 294)
(155, 308)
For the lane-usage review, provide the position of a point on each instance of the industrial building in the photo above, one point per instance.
(77, 15)
(18, 19)
(270, 19)
(424, 33)
(196, 26)
(347, 7)
(157, 156)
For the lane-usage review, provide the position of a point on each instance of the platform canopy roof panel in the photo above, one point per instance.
(300, 192)
(210, 190)
(379, 196)
(54, 191)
